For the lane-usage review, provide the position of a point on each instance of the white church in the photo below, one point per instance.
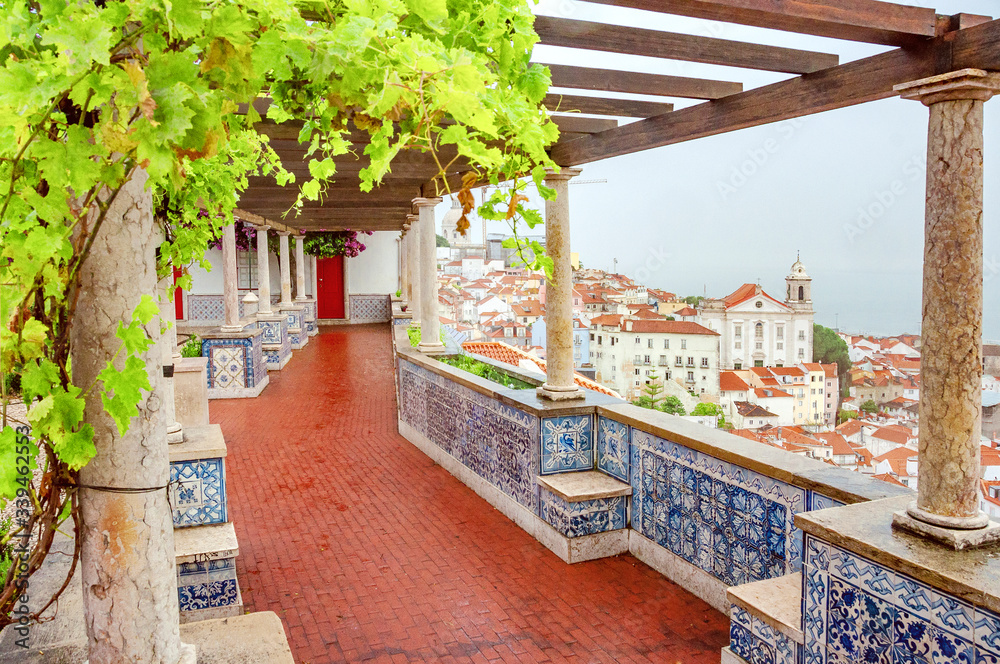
(758, 330)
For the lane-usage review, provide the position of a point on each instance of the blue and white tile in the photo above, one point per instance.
(198, 492)
(567, 444)
(987, 631)
(613, 448)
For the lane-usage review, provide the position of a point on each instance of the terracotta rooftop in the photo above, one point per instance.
(729, 381)
(669, 327)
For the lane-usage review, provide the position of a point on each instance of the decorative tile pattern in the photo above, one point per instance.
(205, 307)
(370, 308)
(272, 331)
(308, 310)
(857, 610)
(497, 442)
(818, 501)
(613, 448)
(232, 363)
(275, 333)
(567, 444)
(585, 517)
(757, 642)
(293, 317)
(198, 492)
(731, 522)
(207, 585)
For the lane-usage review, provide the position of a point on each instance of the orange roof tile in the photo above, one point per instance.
(729, 381)
(669, 327)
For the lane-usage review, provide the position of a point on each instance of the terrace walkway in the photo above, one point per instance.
(369, 551)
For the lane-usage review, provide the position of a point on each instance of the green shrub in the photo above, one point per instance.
(483, 370)
(192, 348)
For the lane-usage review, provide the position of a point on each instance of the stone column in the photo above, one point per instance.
(315, 277)
(285, 266)
(399, 264)
(404, 271)
(168, 349)
(127, 564)
(263, 272)
(559, 377)
(300, 268)
(414, 265)
(951, 352)
(230, 289)
(430, 321)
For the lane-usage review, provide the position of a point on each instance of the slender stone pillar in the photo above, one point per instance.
(230, 289)
(127, 564)
(560, 381)
(399, 264)
(263, 272)
(951, 351)
(168, 348)
(404, 270)
(315, 277)
(285, 266)
(414, 265)
(300, 268)
(430, 321)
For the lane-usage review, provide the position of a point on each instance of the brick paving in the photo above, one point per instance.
(369, 551)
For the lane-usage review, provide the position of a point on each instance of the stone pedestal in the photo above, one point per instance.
(191, 391)
(951, 365)
(430, 317)
(560, 383)
(275, 342)
(294, 315)
(236, 366)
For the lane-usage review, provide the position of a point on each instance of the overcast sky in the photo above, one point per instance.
(684, 218)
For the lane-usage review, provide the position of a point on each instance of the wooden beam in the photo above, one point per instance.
(274, 200)
(675, 46)
(856, 20)
(358, 216)
(868, 79)
(622, 108)
(607, 80)
(570, 124)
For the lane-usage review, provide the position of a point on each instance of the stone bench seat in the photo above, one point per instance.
(586, 485)
(765, 616)
(583, 503)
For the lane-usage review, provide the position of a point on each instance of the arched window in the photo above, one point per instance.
(802, 293)
(759, 330)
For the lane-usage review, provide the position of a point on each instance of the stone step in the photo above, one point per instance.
(583, 503)
(207, 587)
(198, 477)
(765, 615)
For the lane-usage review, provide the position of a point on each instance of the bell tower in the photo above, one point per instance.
(798, 294)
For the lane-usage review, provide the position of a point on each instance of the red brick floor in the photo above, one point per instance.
(369, 551)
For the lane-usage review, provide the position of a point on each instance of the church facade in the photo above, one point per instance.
(757, 329)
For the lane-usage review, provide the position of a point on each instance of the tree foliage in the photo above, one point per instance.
(93, 92)
(869, 406)
(651, 397)
(673, 405)
(829, 348)
(710, 409)
(442, 241)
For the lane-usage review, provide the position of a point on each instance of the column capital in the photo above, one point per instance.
(964, 84)
(563, 174)
(413, 218)
(406, 227)
(283, 233)
(426, 202)
(260, 227)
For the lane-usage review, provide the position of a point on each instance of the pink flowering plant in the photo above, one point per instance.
(327, 244)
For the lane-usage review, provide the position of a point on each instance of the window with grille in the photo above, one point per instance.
(246, 270)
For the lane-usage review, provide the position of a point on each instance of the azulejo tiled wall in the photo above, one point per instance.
(233, 363)
(731, 522)
(585, 517)
(370, 308)
(497, 442)
(198, 492)
(275, 336)
(613, 448)
(757, 642)
(567, 444)
(207, 585)
(205, 307)
(857, 610)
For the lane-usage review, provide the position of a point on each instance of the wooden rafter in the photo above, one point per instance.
(857, 20)
(622, 108)
(864, 80)
(585, 78)
(675, 46)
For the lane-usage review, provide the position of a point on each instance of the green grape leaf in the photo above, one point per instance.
(123, 391)
(12, 446)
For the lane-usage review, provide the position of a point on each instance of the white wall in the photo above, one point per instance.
(204, 282)
(376, 269)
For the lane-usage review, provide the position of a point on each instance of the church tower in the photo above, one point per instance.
(799, 287)
(449, 224)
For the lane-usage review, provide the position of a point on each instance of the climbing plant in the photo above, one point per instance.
(92, 93)
(327, 244)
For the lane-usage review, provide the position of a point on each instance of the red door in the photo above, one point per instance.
(178, 297)
(330, 287)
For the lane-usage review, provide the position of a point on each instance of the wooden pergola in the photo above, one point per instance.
(926, 44)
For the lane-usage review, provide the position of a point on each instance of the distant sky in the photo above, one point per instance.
(683, 219)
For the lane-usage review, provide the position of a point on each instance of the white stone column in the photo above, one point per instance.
(127, 563)
(560, 381)
(230, 290)
(300, 268)
(951, 332)
(399, 264)
(168, 350)
(404, 271)
(285, 266)
(414, 265)
(430, 321)
(315, 277)
(263, 272)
